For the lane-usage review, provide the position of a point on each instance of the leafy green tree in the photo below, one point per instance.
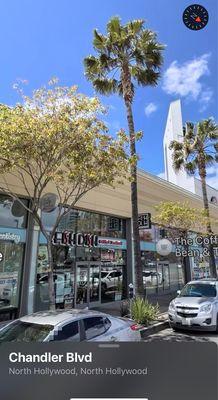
(197, 151)
(182, 221)
(127, 56)
(55, 140)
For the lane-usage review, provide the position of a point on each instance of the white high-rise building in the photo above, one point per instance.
(174, 131)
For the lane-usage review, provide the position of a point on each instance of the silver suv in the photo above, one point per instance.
(196, 306)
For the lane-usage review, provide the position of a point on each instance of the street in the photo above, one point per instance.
(183, 336)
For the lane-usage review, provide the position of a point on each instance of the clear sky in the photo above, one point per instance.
(45, 38)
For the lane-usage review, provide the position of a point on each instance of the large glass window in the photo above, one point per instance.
(113, 275)
(113, 226)
(11, 256)
(151, 277)
(64, 261)
(12, 213)
(87, 222)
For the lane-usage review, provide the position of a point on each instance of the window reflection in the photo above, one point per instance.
(10, 273)
(12, 213)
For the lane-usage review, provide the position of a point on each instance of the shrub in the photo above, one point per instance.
(142, 311)
(125, 308)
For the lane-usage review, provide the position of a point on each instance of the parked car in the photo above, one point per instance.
(152, 277)
(75, 325)
(196, 306)
(62, 287)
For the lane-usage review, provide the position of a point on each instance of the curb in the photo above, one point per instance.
(150, 330)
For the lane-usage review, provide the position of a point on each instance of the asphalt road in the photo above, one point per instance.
(183, 336)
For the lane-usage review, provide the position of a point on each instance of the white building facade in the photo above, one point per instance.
(174, 131)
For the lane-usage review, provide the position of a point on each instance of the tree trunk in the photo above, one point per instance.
(51, 288)
(202, 173)
(139, 288)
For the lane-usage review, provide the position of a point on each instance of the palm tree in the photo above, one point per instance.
(199, 150)
(128, 55)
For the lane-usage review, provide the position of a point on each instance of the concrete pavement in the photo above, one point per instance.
(182, 336)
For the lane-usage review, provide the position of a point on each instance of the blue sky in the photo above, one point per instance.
(41, 39)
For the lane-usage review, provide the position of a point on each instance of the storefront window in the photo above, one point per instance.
(64, 261)
(12, 213)
(89, 222)
(113, 227)
(151, 277)
(113, 275)
(11, 261)
(147, 235)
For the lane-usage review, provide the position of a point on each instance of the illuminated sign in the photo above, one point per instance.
(75, 239)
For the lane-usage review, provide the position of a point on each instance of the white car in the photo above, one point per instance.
(62, 287)
(196, 306)
(75, 325)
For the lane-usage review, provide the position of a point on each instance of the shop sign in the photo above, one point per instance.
(12, 237)
(75, 239)
(109, 242)
(144, 221)
(1, 257)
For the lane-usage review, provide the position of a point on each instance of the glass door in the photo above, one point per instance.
(94, 282)
(82, 283)
(163, 275)
(88, 283)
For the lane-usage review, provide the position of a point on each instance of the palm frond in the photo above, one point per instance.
(99, 40)
(114, 26)
(191, 167)
(105, 86)
(135, 26)
(178, 163)
(174, 145)
(92, 67)
(145, 76)
(209, 160)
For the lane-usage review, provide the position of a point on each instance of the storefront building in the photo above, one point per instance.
(93, 262)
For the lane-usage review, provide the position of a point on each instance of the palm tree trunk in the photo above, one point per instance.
(139, 288)
(202, 173)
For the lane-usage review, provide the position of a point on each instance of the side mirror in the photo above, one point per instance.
(178, 292)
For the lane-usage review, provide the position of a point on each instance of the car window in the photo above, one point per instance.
(19, 331)
(94, 326)
(107, 323)
(117, 274)
(104, 274)
(68, 332)
(198, 290)
(112, 275)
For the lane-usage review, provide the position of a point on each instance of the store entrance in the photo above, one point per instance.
(163, 275)
(88, 284)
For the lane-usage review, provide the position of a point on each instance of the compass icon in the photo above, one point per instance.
(195, 17)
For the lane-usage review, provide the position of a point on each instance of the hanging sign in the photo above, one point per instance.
(144, 221)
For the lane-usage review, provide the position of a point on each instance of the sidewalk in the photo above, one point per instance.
(162, 299)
